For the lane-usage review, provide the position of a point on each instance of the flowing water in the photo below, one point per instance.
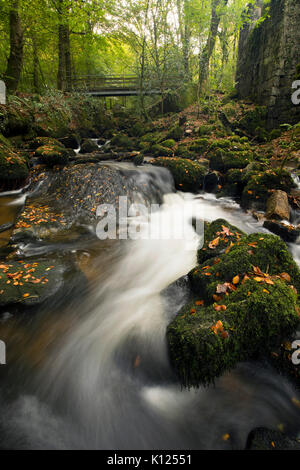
(95, 373)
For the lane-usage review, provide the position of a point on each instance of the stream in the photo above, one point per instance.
(93, 372)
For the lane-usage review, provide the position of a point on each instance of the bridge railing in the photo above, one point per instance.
(96, 83)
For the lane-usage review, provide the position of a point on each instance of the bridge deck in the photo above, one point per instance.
(119, 86)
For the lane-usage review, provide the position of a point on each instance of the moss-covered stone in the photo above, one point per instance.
(13, 169)
(245, 303)
(206, 341)
(229, 153)
(169, 143)
(200, 145)
(183, 152)
(267, 252)
(261, 183)
(88, 146)
(122, 141)
(161, 151)
(51, 155)
(175, 133)
(37, 142)
(212, 232)
(188, 175)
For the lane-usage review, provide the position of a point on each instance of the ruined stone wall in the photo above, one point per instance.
(269, 52)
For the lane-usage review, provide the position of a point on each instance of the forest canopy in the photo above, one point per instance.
(48, 43)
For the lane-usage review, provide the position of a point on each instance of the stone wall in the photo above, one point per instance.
(269, 52)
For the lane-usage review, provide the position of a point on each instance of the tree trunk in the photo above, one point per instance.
(15, 59)
(36, 85)
(64, 74)
(211, 41)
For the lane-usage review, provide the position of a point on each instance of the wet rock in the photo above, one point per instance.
(278, 206)
(68, 197)
(269, 439)
(6, 226)
(29, 283)
(211, 181)
(188, 175)
(259, 216)
(51, 155)
(287, 232)
(13, 169)
(244, 304)
(260, 185)
(88, 146)
(71, 141)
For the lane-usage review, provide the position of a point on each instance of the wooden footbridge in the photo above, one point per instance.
(121, 86)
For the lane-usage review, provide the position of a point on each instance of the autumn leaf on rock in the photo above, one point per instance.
(214, 243)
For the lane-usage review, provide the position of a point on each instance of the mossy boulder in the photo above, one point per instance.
(206, 129)
(188, 175)
(169, 143)
(13, 169)
(213, 231)
(175, 133)
(204, 342)
(37, 142)
(260, 184)
(122, 141)
(200, 145)
(268, 252)
(230, 153)
(183, 152)
(245, 303)
(51, 155)
(161, 151)
(88, 146)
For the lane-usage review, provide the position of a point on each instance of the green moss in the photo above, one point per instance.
(211, 232)
(260, 185)
(232, 152)
(206, 129)
(188, 175)
(41, 141)
(161, 151)
(268, 252)
(169, 143)
(175, 133)
(183, 152)
(52, 155)
(13, 169)
(200, 145)
(202, 349)
(4, 142)
(122, 141)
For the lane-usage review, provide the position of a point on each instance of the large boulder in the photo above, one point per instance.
(278, 206)
(245, 303)
(51, 155)
(88, 146)
(13, 169)
(188, 175)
